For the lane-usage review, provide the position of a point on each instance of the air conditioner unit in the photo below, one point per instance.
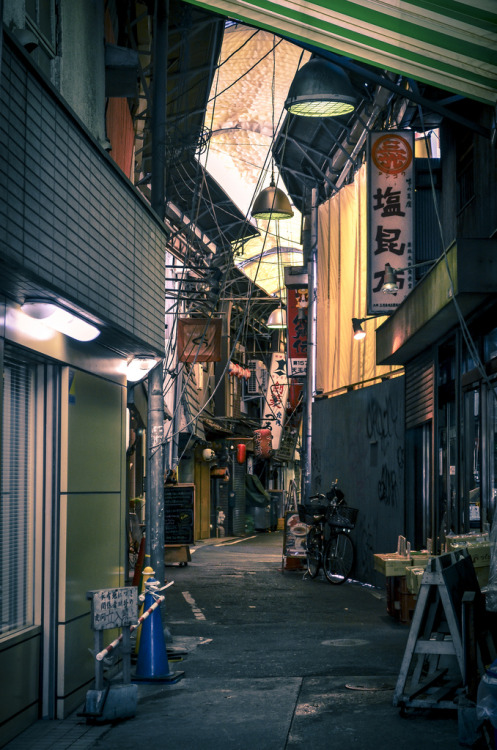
(256, 384)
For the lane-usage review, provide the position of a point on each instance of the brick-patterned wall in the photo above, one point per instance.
(68, 216)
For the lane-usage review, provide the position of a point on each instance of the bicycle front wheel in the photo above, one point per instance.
(338, 558)
(312, 545)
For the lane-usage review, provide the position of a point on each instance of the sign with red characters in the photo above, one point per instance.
(296, 303)
(390, 216)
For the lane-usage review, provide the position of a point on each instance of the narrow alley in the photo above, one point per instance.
(275, 661)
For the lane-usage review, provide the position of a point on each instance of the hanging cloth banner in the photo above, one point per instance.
(199, 339)
(276, 398)
(390, 215)
(296, 303)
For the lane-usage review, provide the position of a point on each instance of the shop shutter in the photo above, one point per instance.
(419, 382)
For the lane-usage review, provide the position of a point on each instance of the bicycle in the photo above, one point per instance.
(328, 543)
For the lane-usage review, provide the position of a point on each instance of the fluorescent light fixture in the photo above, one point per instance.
(60, 319)
(139, 367)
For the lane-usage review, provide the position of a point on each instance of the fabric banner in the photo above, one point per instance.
(341, 296)
(199, 339)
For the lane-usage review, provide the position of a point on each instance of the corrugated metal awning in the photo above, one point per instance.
(449, 44)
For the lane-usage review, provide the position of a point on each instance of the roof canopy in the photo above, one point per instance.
(448, 44)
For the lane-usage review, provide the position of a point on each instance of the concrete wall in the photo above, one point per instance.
(360, 441)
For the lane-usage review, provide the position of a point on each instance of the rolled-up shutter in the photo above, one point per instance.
(419, 380)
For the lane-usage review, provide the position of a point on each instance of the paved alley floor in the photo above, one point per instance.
(274, 661)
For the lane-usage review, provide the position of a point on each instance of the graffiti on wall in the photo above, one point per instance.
(382, 423)
(383, 429)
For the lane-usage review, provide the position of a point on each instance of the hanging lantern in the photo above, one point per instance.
(263, 443)
(241, 453)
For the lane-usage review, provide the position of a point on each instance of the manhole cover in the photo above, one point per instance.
(369, 686)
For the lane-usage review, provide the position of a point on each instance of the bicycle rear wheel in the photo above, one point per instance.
(338, 558)
(312, 545)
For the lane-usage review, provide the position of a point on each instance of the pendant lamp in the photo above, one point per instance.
(277, 319)
(272, 203)
(321, 89)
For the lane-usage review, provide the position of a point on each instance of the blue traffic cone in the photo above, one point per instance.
(152, 664)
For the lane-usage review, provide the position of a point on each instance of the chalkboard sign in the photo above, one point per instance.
(179, 508)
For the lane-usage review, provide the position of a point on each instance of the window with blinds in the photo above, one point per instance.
(17, 497)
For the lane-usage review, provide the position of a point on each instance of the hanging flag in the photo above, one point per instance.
(390, 215)
(199, 339)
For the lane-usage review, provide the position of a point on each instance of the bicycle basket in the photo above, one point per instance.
(343, 516)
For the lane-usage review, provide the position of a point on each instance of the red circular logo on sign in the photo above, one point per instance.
(391, 154)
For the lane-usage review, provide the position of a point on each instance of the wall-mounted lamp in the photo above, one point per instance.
(390, 282)
(277, 319)
(139, 367)
(359, 333)
(321, 89)
(60, 319)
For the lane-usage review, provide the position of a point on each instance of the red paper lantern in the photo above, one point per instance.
(241, 453)
(263, 443)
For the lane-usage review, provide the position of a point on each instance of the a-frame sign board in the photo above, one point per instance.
(447, 642)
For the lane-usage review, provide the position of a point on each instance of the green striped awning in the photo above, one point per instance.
(450, 44)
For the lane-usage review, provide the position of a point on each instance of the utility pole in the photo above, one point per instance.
(154, 507)
(159, 107)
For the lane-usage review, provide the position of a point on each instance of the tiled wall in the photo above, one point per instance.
(67, 214)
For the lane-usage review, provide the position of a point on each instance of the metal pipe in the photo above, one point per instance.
(154, 508)
(159, 107)
(311, 345)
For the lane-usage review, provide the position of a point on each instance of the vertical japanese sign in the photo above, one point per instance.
(276, 398)
(390, 215)
(296, 305)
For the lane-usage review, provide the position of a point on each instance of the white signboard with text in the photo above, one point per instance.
(390, 216)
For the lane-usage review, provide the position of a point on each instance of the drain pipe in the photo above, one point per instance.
(311, 345)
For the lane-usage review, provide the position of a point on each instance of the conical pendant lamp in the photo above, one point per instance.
(272, 203)
(277, 319)
(321, 89)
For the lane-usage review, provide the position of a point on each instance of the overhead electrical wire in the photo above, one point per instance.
(244, 321)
